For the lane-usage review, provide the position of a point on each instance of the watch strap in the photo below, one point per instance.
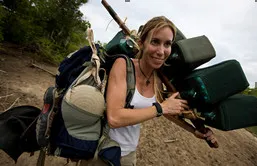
(158, 109)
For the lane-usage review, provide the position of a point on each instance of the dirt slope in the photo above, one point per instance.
(26, 86)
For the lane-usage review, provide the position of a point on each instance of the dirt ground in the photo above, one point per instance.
(162, 143)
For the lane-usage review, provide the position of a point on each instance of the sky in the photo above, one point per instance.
(230, 25)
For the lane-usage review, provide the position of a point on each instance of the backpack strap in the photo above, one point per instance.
(131, 79)
(105, 141)
(131, 82)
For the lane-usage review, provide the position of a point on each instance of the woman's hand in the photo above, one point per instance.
(209, 135)
(174, 106)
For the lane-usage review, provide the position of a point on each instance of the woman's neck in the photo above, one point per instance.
(145, 67)
(146, 76)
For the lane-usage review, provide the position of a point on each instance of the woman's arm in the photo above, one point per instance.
(117, 115)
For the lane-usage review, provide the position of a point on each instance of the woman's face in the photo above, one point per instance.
(156, 51)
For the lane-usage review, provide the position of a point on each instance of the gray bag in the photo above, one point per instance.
(83, 106)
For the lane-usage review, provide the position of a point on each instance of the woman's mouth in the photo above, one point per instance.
(159, 60)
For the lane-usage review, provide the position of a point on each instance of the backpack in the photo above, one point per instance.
(72, 123)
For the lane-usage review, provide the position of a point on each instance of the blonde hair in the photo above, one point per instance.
(145, 34)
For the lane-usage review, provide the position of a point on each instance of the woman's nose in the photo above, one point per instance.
(161, 50)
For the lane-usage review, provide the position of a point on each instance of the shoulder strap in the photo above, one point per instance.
(131, 80)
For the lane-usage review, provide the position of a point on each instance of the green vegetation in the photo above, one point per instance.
(253, 92)
(253, 130)
(250, 91)
(51, 29)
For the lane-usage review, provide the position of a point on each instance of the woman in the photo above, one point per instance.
(155, 40)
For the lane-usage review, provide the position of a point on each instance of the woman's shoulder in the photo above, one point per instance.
(120, 63)
(119, 66)
(134, 60)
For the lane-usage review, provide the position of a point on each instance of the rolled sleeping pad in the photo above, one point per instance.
(188, 54)
(237, 111)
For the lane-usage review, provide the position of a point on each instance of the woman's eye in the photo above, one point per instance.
(168, 44)
(154, 42)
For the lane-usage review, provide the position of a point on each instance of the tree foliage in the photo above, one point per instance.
(51, 27)
(250, 91)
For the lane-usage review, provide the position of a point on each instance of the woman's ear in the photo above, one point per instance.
(140, 44)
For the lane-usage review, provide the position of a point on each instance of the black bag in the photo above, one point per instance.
(212, 84)
(18, 130)
(70, 68)
(188, 54)
(238, 111)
